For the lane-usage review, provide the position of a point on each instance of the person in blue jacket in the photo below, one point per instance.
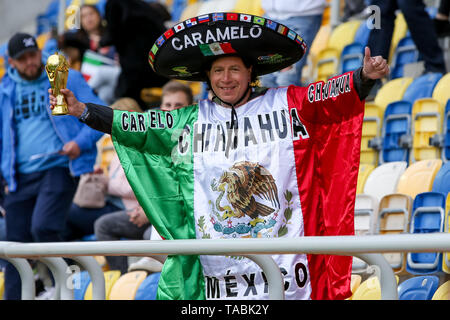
(42, 156)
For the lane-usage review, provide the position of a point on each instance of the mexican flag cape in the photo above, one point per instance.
(289, 170)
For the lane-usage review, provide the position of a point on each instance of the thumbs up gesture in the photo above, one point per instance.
(374, 67)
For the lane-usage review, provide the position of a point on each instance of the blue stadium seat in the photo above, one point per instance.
(422, 87)
(353, 54)
(148, 288)
(427, 217)
(396, 132)
(446, 133)
(418, 288)
(406, 52)
(80, 282)
(441, 182)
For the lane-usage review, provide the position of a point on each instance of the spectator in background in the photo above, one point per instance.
(176, 95)
(134, 224)
(420, 26)
(441, 22)
(132, 27)
(93, 29)
(73, 44)
(305, 18)
(42, 156)
(119, 196)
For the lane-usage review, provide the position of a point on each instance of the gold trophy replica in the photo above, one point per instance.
(57, 70)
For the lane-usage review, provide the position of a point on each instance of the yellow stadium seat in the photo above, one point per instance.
(110, 279)
(441, 91)
(191, 10)
(443, 292)
(427, 119)
(42, 39)
(419, 177)
(327, 64)
(105, 152)
(343, 35)
(249, 6)
(327, 59)
(319, 43)
(2, 285)
(371, 128)
(400, 30)
(354, 284)
(394, 213)
(391, 91)
(369, 289)
(364, 171)
(446, 255)
(126, 286)
(2, 68)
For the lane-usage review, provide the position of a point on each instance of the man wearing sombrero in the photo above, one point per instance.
(250, 163)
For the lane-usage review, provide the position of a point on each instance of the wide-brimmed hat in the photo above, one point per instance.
(185, 51)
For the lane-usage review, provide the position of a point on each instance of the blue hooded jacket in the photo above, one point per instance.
(68, 128)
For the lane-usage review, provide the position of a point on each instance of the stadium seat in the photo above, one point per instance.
(148, 288)
(427, 217)
(110, 278)
(309, 70)
(327, 64)
(248, 6)
(441, 92)
(441, 182)
(422, 87)
(418, 288)
(400, 31)
(81, 281)
(371, 129)
(394, 213)
(366, 207)
(354, 284)
(369, 289)
(446, 134)
(383, 179)
(391, 91)
(2, 284)
(105, 152)
(418, 177)
(366, 210)
(126, 286)
(343, 35)
(396, 139)
(327, 59)
(191, 10)
(427, 117)
(405, 53)
(443, 292)
(351, 57)
(363, 173)
(446, 255)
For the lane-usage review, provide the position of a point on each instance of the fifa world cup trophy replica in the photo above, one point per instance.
(57, 69)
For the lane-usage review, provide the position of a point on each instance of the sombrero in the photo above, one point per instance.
(185, 50)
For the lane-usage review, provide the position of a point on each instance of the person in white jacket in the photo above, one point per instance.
(305, 18)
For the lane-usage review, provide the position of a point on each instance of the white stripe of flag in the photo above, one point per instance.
(246, 18)
(179, 27)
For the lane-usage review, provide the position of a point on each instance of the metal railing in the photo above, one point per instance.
(367, 248)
